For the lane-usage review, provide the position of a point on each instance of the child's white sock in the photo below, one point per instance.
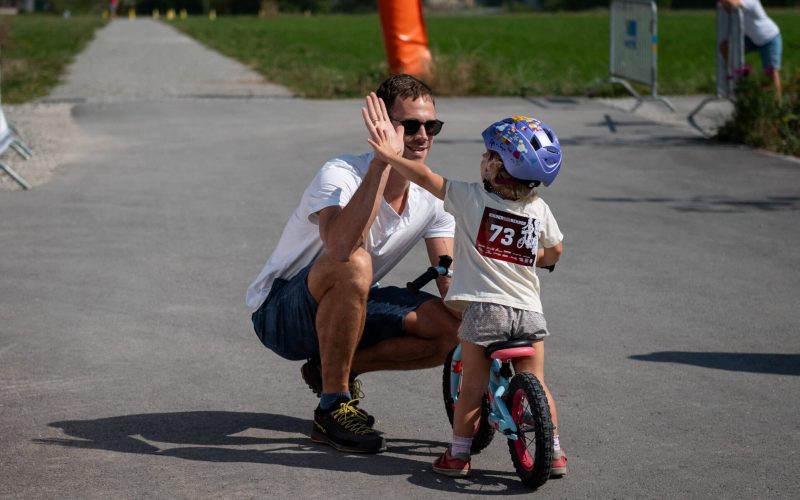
(460, 447)
(556, 444)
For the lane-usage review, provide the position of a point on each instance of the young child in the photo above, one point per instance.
(503, 230)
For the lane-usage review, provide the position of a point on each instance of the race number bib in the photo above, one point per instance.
(508, 237)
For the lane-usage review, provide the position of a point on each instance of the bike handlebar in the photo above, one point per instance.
(431, 274)
(441, 270)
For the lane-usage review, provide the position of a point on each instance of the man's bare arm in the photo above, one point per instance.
(343, 229)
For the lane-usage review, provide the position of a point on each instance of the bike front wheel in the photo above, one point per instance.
(451, 385)
(532, 451)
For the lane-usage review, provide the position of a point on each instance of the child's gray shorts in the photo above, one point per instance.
(483, 323)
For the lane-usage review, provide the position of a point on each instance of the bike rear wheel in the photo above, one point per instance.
(451, 377)
(532, 451)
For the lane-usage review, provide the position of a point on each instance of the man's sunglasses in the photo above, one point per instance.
(411, 127)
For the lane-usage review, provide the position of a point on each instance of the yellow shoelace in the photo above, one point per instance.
(351, 418)
(357, 394)
(356, 389)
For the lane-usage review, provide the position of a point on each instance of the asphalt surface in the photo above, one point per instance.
(129, 369)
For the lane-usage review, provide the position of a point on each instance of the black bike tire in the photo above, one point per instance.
(536, 474)
(485, 433)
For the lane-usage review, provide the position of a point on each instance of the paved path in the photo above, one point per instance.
(146, 60)
(128, 367)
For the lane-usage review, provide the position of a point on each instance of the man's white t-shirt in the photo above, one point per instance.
(495, 247)
(757, 25)
(391, 236)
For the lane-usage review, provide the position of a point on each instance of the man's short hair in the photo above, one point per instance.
(405, 87)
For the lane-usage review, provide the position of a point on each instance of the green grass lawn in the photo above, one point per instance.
(548, 53)
(343, 56)
(34, 50)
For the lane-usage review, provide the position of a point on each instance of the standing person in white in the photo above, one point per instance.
(317, 297)
(504, 230)
(762, 35)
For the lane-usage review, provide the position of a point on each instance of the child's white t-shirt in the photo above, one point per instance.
(495, 247)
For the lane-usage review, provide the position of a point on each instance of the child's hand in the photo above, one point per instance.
(379, 125)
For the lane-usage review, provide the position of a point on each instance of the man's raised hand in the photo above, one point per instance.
(376, 119)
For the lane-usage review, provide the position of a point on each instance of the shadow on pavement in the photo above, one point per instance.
(231, 437)
(773, 364)
(639, 142)
(717, 204)
(131, 433)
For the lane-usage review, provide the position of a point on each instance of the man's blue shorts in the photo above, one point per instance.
(285, 322)
(770, 52)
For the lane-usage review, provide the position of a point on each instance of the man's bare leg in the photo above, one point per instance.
(430, 333)
(341, 290)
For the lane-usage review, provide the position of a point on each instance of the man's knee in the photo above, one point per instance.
(351, 276)
(357, 271)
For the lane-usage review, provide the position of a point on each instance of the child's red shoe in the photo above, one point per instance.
(451, 466)
(559, 464)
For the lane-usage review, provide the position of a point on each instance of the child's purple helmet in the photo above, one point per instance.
(528, 147)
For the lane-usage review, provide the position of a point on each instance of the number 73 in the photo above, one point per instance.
(508, 234)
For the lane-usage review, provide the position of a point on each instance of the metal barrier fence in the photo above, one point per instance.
(730, 57)
(9, 139)
(730, 62)
(633, 47)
